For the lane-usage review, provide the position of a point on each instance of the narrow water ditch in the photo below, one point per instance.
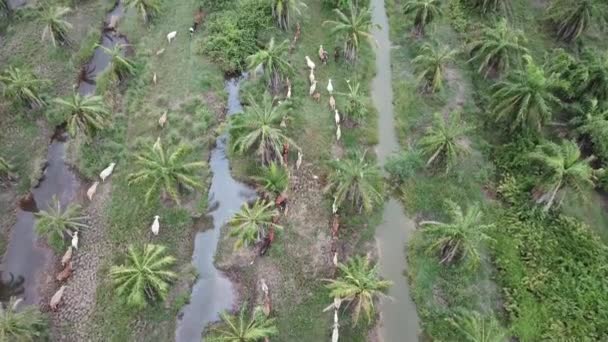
(399, 318)
(213, 292)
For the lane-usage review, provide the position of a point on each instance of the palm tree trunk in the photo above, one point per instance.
(552, 198)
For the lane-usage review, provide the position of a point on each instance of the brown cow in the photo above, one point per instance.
(316, 96)
(66, 273)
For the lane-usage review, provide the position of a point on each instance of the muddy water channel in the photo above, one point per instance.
(27, 259)
(213, 292)
(399, 317)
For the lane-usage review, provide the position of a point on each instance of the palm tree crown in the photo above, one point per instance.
(283, 10)
(430, 65)
(273, 61)
(573, 18)
(444, 143)
(120, 65)
(148, 9)
(355, 108)
(425, 11)
(239, 329)
(85, 114)
(22, 86)
(352, 29)
(27, 324)
(55, 223)
(274, 178)
(55, 28)
(250, 224)
(144, 276)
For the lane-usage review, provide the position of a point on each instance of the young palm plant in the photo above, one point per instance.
(352, 29)
(85, 114)
(55, 27)
(444, 141)
(27, 324)
(425, 12)
(22, 86)
(355, 108)
(573, 18)
(148, 9)
(430, 65)
(259, 128)
(460, 239)
(498, 48)
(357, 181)
(167, 172)
(284, 10)
(562, 169)
(274, 178)
(240, 329)
(120, 65)
(359, 284)
(274, 62)
(145, 275)
(252, 222)
(473, 327)
(55, 223)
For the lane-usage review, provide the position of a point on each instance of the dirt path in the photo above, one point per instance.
(454, 78)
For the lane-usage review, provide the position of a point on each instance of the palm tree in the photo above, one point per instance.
(573, 18)
(591, 122)
(55, 27)
(562, 169)
(355, 106)
(274, 178)
(498, 48)
(85, 114)
(27, 324)
(148, 9)
(169, 172)
(526, 99)
(359, 284)
(55, 223)
(249, 225)
(595, 84)
(283, 10)
(273, 61)
(239, 329)
(259, 128)
(430, 65)
(574, 75)
(425, 11)
(356, 180)
(5, 168)
(460, 239)
(119, 65)
(352, 29)
(473, 327)
(22, 85)
(144, 276)
(444, 141)
(487, 6)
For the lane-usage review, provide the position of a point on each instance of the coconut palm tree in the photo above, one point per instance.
(145, 275)
(356, 180)
(355, 104)
(27, 324)
(460, 239)
(55, 27)
(55, 222)
(352, 29)
(526, 98)
(251, 223)
(240, 329)
(259, 128)
(425, 12)
(498, 48)
(119, 65)
(274, 178)
(573, 18)
(23, 86)
(85, 114)
(444, 141)
(273, 60)
(591, 122)
(595, 84)
(473, 327)
(562, 169)
(169, 172)
(430, 65)
(148, 9)
(359, 284)
(487, 6)
(284, 10)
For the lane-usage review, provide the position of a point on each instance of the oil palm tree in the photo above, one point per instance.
(595, 84)
(356, 180)
(23, 86)
(526, 98)
(498, 48)
(284, 10)
(487, 6)
(460, 239)
(591, 122)
(259, 129)
(273, 60)
(575, 76)
(27, 324)
(473, 327)
(562, 169)
(145, 275)
(430, 65)
(355, 108)
(274, 178)
(55, 27)
(425, 12)
(444, 141)
(251, 223)
(120, 65)
(240, 329)
(55, 222)
(166, 171)
(352, 29)
(573, 18)
(148, 9)
(359, 284)
(85, 114)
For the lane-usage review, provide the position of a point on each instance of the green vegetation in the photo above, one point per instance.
(55, 27)
(352, 29)
(571, 20)
(443, 142)
(273, 62)
(25, 324)
(284, 10)
(240, 329)
(84, 114)
(424, 11)
(251, 223)
(148, 9)
(274, 179)
(55, 223)
(120, 66)
(5, 167)
(476, 328)
(430, 65)
(22, 86)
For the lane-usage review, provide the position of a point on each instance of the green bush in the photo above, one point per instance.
(404, 165)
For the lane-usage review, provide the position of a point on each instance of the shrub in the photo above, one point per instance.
(404, 165)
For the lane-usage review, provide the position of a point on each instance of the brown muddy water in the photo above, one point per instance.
(399, 318)
(213, 292)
